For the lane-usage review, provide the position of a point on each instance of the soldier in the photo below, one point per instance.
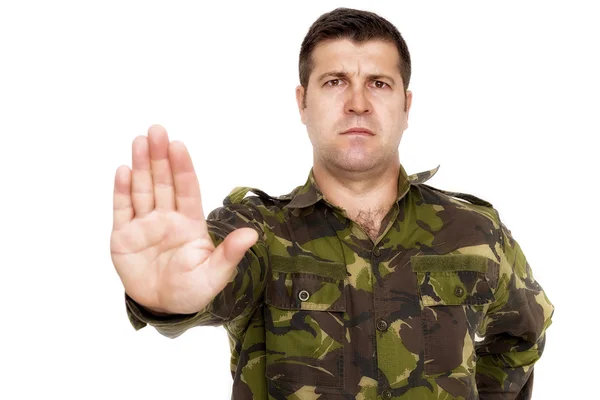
(363, 283)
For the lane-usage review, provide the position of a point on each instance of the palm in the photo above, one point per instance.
(160, 244)
(159, 252)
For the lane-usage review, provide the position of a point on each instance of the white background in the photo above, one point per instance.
(505, 99)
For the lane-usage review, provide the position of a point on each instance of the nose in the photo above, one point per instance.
(357, 102)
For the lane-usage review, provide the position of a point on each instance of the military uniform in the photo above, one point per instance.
(442, 305)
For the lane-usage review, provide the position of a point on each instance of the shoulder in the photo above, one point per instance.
(255, 196)
(240, 194)
(431, 193)
(457, 211)
(450, 205)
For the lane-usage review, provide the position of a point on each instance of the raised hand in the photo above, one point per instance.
(160, 245)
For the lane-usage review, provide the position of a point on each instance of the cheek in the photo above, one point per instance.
(395, 113)
(321, 116)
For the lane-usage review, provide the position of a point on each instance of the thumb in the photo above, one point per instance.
(230, 252)
(237, 243)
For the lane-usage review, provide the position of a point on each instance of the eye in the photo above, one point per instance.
(380, 84)
(333, 82)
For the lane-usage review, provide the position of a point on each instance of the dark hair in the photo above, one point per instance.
(357, 25)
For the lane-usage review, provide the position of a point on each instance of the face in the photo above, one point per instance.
(356, 110)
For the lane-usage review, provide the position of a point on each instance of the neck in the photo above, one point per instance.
(372, 191)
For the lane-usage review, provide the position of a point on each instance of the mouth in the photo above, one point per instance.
(359, 132)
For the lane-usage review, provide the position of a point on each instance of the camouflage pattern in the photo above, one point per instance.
(442, 305)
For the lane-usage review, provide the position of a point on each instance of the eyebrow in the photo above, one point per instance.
(342, 74)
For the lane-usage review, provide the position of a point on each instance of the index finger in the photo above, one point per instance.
(122, 204)
(187, 189)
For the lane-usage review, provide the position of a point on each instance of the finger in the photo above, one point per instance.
(228, 255)
(122, 204)
(142, 194)
(187, 189)
(164, 192)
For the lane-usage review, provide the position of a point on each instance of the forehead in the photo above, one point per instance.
(374, 56)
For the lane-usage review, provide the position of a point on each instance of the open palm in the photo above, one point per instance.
(160, 245)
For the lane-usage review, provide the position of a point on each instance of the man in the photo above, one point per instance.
(364, 283)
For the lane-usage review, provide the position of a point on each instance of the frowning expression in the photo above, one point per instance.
(355, 109)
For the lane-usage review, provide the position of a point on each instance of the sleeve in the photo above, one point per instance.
(239, 298)
(514, 328)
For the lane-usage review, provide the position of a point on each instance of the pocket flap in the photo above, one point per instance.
(304, 283)
(452, 279)
(449, 262)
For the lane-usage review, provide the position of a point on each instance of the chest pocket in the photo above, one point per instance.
(454, 291)
(305, 304)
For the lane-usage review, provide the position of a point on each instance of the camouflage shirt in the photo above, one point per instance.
(442, 305)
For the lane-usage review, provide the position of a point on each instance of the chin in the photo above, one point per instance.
(351, 159)
(355, 164)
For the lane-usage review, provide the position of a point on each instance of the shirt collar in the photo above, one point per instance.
(310, 193)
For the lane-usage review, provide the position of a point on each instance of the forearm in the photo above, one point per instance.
(169, 325)
(508, 375)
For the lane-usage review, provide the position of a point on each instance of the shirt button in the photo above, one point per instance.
(303, 295)
(376, 251)
(459, 291)
(382, 325)
(386, 394)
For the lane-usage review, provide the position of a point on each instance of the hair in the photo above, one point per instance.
(358, 26)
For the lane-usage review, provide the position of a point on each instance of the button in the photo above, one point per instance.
(459, 291)
(382, 325)
(376, 251)
(303, 295)
(386, 394)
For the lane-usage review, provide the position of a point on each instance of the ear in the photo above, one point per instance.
(408, 103)
(300, 100)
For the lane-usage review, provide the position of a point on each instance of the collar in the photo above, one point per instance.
(310, 193)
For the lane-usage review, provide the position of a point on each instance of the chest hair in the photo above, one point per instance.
(370, 221)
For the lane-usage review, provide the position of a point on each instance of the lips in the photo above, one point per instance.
(358, 131)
